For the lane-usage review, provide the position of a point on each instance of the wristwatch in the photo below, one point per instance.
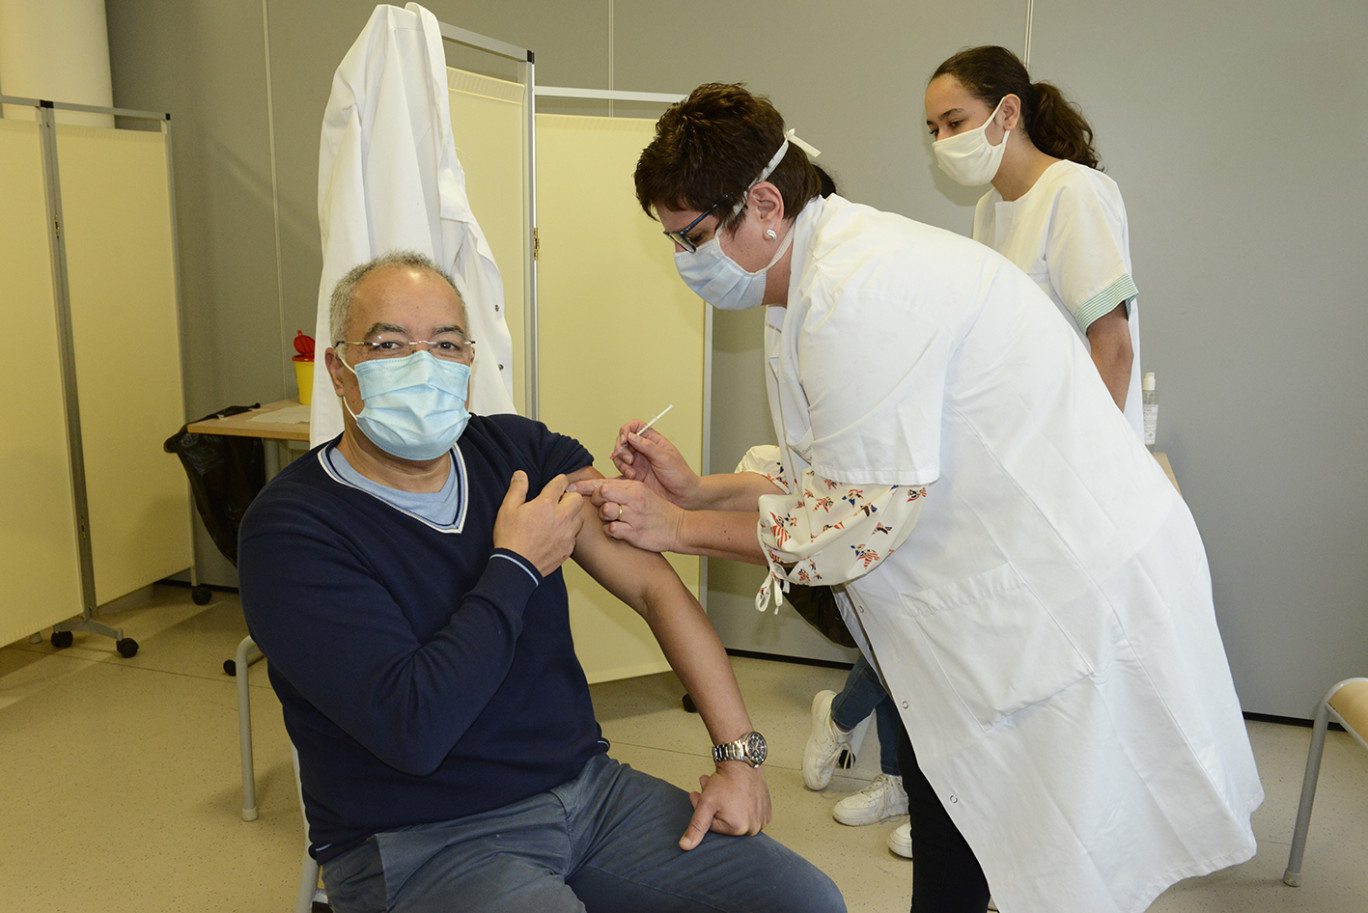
(750, 748)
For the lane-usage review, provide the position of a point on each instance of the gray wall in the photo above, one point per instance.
(1235, 131)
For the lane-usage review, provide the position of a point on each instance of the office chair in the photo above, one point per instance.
(309, 891)
(247, 653)
(1347, 704)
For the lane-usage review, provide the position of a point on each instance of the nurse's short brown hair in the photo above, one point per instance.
(711, 146)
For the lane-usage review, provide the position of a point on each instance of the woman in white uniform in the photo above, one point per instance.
(1028, 583)
(1051, 210)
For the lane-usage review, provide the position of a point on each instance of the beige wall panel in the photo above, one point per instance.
(120, 263)
(619, 337)
(40, 581)
(488, 120)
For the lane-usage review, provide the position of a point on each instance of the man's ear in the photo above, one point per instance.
(333, 361)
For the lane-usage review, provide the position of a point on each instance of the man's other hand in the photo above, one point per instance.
(734, 800)
(542, 530)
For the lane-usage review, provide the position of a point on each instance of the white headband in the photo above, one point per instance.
(789, 137)
(773, 163)
(812, 151)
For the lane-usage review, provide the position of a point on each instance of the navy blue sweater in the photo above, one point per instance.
(424, 676)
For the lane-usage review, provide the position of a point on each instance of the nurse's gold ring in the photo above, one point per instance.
(619, 516)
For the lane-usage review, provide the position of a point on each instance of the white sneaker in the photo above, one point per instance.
(900, 841)
(824, 745)
(882, 798)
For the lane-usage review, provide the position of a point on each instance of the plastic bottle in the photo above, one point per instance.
(1149, 401)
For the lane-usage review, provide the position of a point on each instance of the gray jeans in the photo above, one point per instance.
(606, 842)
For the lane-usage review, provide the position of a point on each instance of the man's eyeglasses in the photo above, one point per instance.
(447, 347)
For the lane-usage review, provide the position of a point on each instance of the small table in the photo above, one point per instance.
(259, 422)
(279, 421)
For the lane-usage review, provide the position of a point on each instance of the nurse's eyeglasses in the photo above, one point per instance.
(681, 237)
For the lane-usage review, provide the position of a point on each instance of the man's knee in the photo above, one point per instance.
(784, 882)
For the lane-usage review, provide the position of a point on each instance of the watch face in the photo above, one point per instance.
(756, 749)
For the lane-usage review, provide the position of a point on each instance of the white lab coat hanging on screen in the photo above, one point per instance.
(388, 178)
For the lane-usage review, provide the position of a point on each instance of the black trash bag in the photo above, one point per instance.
(226, 472)
(817, 605)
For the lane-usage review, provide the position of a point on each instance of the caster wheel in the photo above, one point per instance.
(62, 639)
(126, 646)
(230, 667)
(689, 705)
(201, 595)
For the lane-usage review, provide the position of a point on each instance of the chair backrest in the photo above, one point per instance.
(1349, 703)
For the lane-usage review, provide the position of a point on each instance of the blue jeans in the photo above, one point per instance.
(862, 694)
(606, 842)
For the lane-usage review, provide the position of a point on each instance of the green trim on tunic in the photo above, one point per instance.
(1105, 301)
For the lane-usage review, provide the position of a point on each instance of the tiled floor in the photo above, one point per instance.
(120, 787)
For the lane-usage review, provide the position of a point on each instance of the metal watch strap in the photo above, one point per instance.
(750, 748)
(729, 751)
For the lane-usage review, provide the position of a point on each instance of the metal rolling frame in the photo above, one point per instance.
(47, 121)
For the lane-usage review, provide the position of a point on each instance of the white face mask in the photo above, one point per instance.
(968, 157)
(720, 280)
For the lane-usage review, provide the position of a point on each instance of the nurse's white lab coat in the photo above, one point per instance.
(1047, 628)
(388, 179)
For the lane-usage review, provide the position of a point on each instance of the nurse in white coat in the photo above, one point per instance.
(1050, 209)
(1031, 587)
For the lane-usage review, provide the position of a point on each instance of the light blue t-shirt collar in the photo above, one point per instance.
(440, 508)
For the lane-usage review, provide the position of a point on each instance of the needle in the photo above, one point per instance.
(656, 419)
(618, 450)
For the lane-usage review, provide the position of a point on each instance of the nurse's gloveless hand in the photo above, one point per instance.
(656, 463)
(633, 513)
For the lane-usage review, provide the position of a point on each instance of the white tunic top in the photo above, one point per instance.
(1046, 628)
(1069, 233)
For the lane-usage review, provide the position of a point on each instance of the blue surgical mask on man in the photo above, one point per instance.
(414, 407)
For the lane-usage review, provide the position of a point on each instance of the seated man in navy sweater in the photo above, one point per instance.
(404, 582)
